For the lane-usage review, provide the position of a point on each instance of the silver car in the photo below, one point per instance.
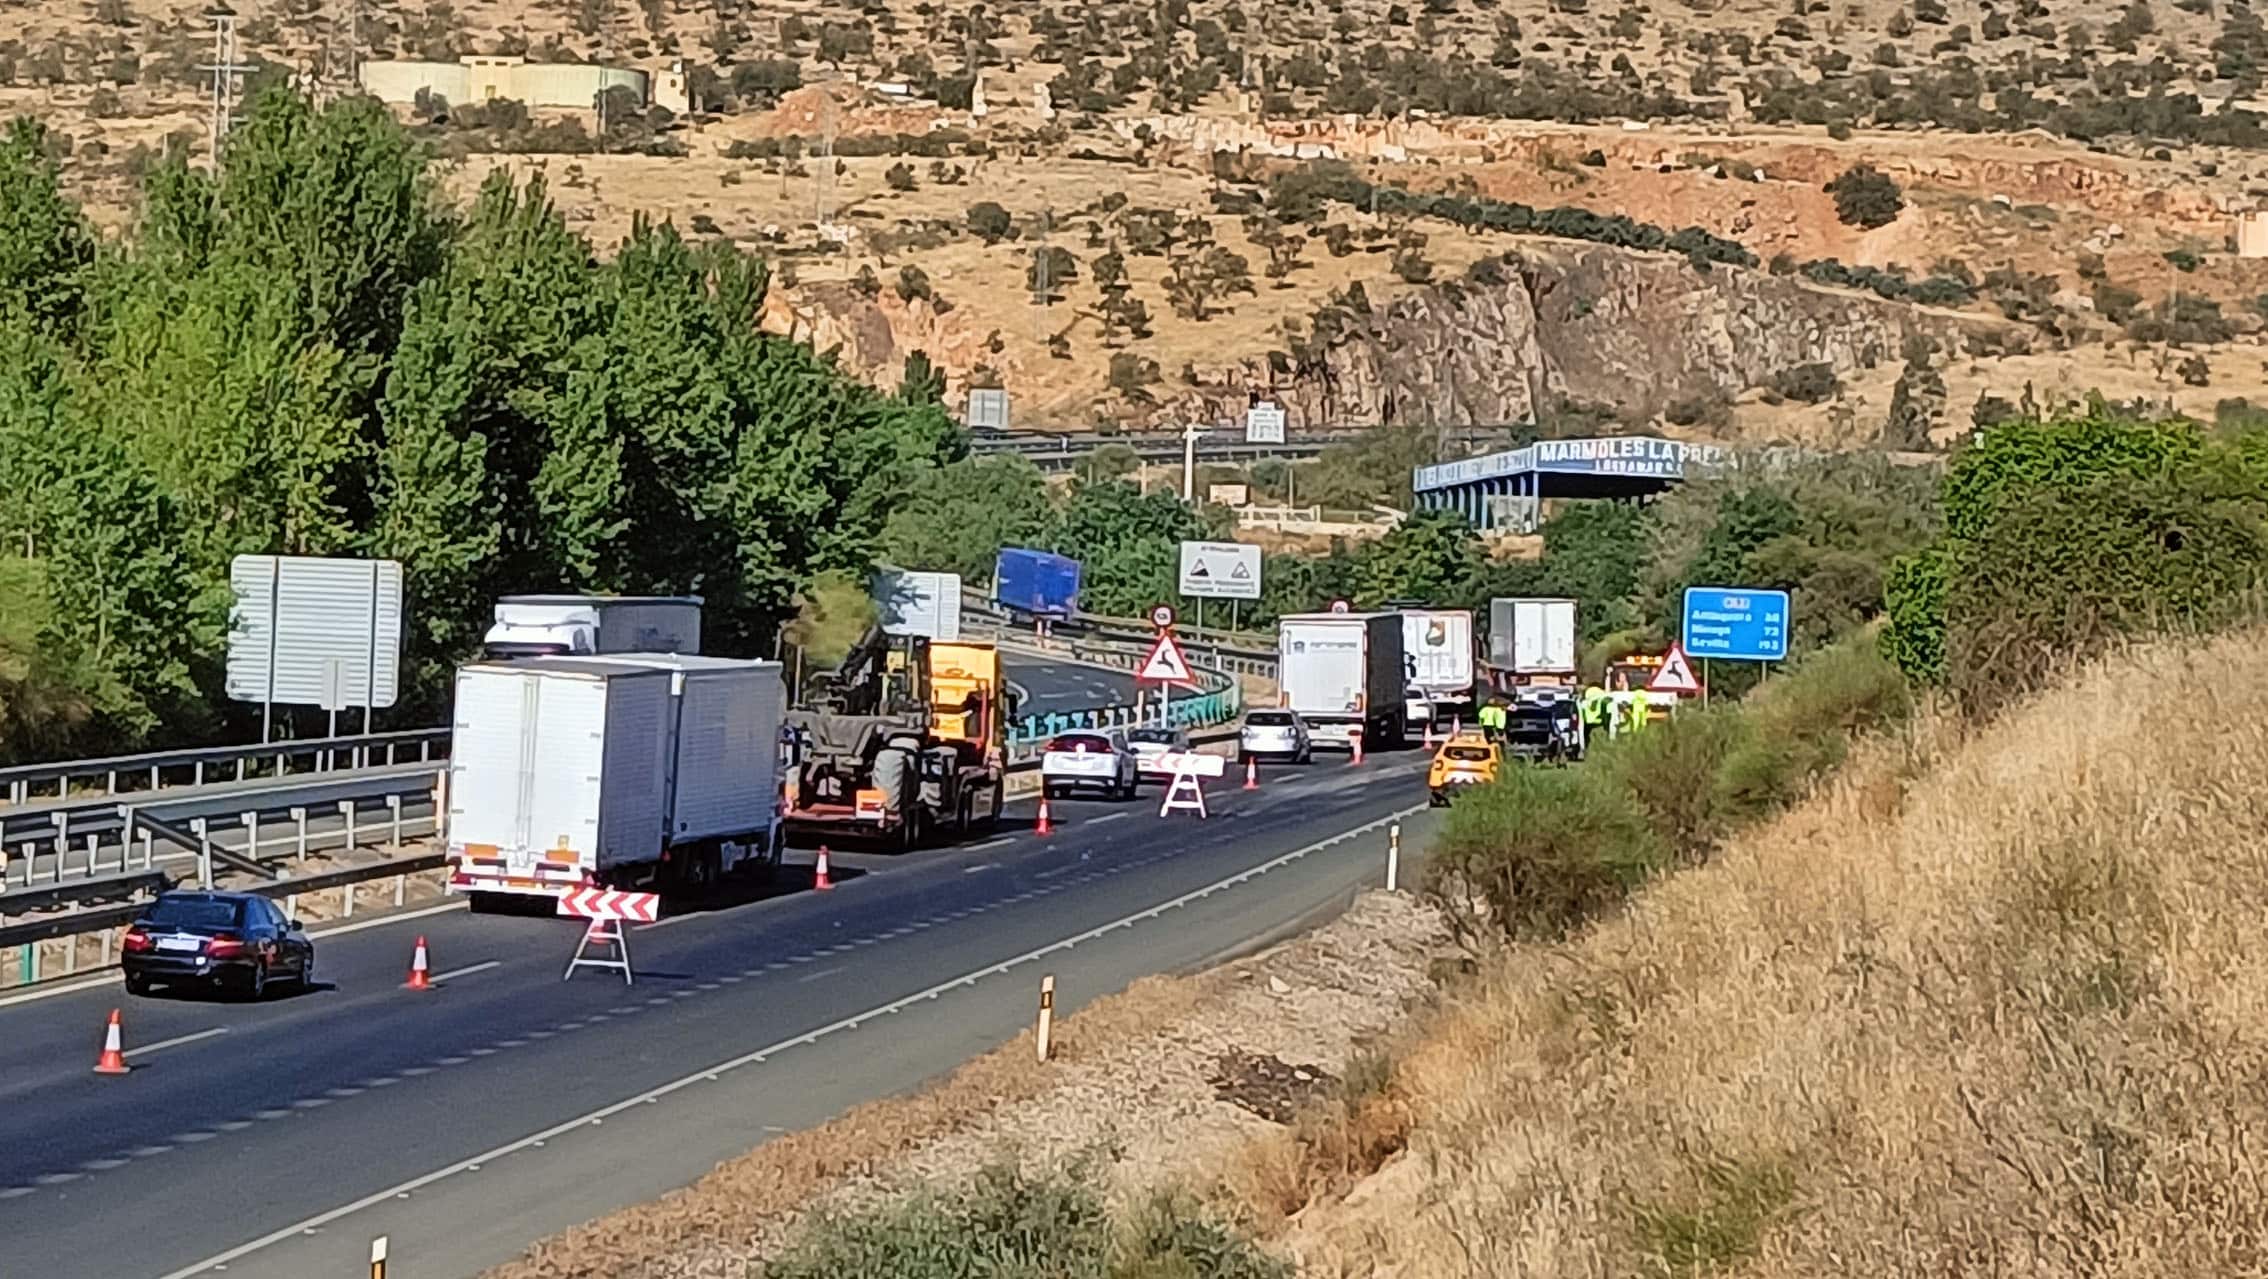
(1151, 746)
(1275, 735)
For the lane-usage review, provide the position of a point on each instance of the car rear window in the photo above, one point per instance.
(196, 912)
(1473, 754)
(1080, 742)
(1162, 736)
(1269, 719)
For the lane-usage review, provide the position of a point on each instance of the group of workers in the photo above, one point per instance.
(1612, 714)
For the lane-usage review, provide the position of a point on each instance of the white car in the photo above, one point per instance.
(1273, 734)
(1151, 745)
(1097, 760)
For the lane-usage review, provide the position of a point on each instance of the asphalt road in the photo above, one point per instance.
(278, 1139)
(1065, 686)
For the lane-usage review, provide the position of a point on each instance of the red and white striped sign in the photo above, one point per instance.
(605, 903)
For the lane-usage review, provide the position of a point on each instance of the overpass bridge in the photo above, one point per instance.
(1506, 490)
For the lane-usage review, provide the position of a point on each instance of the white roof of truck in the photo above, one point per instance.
(690, 663)
(549, 664)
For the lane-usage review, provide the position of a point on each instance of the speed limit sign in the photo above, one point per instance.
(1161, 616)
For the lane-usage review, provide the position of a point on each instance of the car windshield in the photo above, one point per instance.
(1269, 719)
(196, 912)
(1470, 754)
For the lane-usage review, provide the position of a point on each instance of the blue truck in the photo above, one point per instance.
(1040, 583)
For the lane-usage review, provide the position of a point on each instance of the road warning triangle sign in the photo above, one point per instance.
(1165, 664)
(1241, 573)
(1675, 676)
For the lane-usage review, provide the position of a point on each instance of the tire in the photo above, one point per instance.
(138, 983)
(992, 818)
(256, 989)
(307, 971)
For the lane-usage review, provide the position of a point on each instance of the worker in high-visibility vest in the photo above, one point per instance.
(1492, 720)
(1640, 712)
(1594, 708)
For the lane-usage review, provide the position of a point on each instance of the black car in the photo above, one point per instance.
(220, 939)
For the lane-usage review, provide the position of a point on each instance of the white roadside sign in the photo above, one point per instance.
(1220, 570)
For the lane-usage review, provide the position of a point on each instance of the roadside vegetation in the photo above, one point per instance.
(1896, 956)
(1011, 1224)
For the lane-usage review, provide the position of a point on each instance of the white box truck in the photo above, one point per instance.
(583, 625)
(648, 772)
(1438, 644)
(1343, 671)
(1533, 640)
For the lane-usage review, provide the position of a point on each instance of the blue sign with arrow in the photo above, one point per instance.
(1736, 625)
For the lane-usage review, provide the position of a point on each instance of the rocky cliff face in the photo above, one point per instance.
(1564, 324)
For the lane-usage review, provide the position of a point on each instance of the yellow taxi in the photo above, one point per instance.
(1467, 759)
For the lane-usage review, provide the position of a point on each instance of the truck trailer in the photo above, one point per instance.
(1343, 673)
(1532, 641)
(584, 625)
(1438, 645)
(647, 772)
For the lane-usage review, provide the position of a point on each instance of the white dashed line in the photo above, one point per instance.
(175, 1042)
(467, 971)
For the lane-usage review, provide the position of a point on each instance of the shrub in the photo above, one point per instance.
(2065, 534)
(1013, 1224)
(1809, 383)
(990, 222)
(1542, 849)
(1866, 198)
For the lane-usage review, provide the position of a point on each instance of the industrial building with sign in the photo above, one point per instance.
(1506, 490)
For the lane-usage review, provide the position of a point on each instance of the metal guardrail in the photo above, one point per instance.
(1239, 653)
(1061, 450)
(204, 765)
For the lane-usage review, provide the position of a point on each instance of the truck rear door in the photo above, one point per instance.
(1323, 668)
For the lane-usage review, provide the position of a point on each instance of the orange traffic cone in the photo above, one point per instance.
(417, 969)
(1044, 827)
(1251, 772)
(819, 877)
(113, 1059)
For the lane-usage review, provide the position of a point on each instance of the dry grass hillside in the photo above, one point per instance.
(2070, 174)
(1985, 1006)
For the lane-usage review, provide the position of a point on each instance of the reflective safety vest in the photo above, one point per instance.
(1594, 705)
(1492, 716)
(1638, 709)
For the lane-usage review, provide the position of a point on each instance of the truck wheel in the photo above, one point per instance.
(992, 815)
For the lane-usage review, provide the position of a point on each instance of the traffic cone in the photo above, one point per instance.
(819, 877)
(1044, 827)
(417, 969)
(113, 1059)
(1251, 773)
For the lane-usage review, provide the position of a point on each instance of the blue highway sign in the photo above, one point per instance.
(1736, 625)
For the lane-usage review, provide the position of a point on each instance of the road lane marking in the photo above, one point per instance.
(175, 1042)
(467, 971)
(404, 1189)
(824, 972)
(1108, 817)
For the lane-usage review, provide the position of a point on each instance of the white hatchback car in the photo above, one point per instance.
(1094, 759)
